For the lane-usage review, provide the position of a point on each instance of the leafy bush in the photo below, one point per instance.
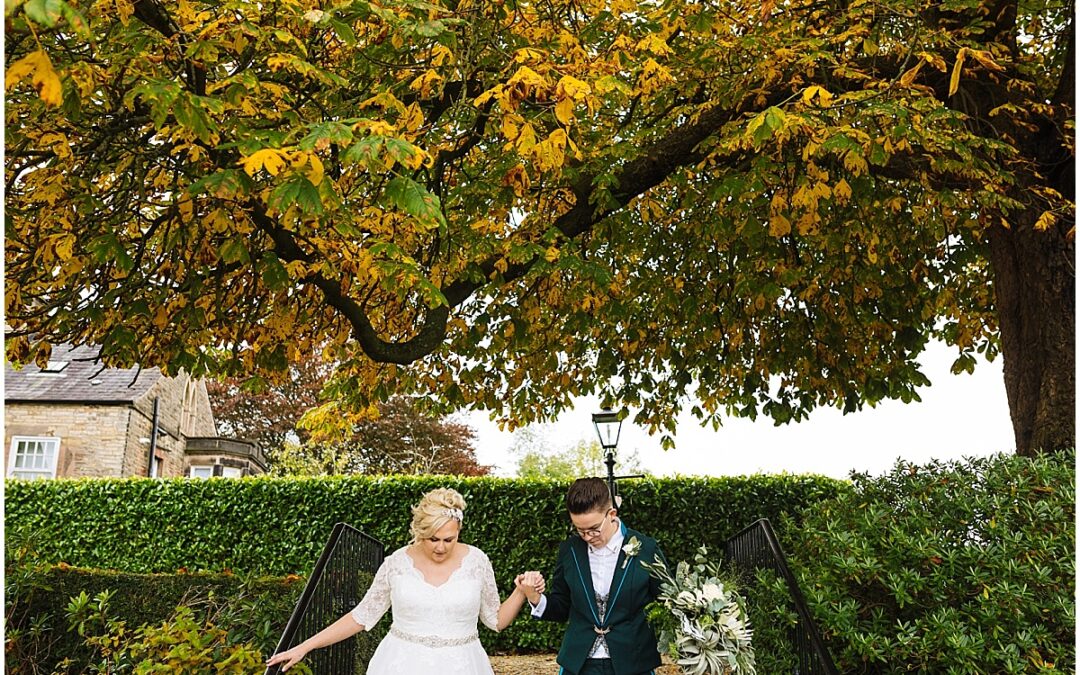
(958, 567)
(182, 643)
(252, 610)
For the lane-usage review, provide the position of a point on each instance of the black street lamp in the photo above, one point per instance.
(608, 425)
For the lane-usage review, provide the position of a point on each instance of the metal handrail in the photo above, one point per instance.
(333, 588)
(756, 547)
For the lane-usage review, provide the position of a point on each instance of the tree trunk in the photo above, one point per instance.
(1034, 288)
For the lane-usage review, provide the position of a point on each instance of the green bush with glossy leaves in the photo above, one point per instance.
(963, 567)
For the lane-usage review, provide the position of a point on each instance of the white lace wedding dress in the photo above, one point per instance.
(434, 628)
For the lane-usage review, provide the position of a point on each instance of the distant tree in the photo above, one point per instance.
(269, 414)
(398, 436)
(402, 438)
(586, 458)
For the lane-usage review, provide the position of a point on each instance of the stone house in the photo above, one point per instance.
(74, 418)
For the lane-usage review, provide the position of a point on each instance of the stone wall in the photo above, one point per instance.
(93, 438)
(114, 440)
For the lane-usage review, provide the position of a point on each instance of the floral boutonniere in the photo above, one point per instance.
(631, 549)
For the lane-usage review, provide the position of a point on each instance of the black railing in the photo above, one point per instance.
(341, 576)
(755, 548)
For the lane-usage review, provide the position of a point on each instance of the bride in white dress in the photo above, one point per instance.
(437, 588)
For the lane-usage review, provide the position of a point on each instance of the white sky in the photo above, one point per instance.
(960, 415)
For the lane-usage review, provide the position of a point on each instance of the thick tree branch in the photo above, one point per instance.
(430, 336)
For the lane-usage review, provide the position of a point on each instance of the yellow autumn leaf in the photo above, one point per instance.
(63, 245)
(985, 59)
(954, 80)
(855, 163)
(526, 140)
(842, 191)
(552, 254)
(414, 117)
(907, 78)
(441, 54)
(509, 128)
(426, 82)
(564, 111)
(779, 225)
(42, 76)
(268, 158)
(1045, 221)
(823, 96)
(572, 87)
(315, 170)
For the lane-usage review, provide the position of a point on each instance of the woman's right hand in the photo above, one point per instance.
(289, 657)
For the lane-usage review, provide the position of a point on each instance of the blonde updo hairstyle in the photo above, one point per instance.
(436, 508)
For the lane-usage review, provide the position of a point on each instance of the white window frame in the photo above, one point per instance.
(191, 470)
(231, 472)
(50, 442)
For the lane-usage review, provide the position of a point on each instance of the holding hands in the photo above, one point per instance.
(531, 584)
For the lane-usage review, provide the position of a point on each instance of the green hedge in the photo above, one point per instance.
(958, 567)
(277, 526)
(37, 634)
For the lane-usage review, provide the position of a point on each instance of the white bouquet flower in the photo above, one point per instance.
(701, 619)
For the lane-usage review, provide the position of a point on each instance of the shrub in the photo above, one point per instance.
(957, 567)
(182, 643)
(251, 610)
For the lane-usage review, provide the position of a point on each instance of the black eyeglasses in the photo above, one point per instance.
(591, 531)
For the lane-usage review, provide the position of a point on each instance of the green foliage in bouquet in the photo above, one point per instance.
(701, 618)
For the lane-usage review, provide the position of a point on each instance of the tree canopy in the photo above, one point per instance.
(503, 204)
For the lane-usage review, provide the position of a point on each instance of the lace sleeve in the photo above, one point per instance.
(489, 594)
(377, 599)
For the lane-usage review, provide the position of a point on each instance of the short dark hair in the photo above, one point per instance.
(587, 495)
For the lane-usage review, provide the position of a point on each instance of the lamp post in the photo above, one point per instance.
(608, 425)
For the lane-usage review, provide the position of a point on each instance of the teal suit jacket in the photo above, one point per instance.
(571, 597)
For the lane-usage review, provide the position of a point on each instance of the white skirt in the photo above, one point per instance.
(398, 656)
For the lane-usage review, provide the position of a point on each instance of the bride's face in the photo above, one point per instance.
(440, 545)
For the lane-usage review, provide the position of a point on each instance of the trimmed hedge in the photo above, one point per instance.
(278, 526)
(956, 567)
(254, 609)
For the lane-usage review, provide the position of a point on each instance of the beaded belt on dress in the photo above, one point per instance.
(431, 640)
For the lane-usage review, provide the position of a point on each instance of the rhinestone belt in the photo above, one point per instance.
(431, 640)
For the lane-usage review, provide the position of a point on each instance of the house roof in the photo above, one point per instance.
(79, 379)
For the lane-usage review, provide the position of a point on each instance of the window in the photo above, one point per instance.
(54, 366)
(231, 472)
(33, 457)
(201, 472)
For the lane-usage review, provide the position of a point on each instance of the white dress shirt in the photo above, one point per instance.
(602, 562)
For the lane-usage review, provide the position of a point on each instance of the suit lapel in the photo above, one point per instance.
(580, 551)
(622, 569)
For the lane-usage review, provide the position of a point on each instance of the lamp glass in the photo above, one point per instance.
(607, 426)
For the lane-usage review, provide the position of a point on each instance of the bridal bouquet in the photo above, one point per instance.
(701, 619)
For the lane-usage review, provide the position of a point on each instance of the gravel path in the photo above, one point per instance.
(543, 664)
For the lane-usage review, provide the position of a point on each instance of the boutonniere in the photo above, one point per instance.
(631, 549)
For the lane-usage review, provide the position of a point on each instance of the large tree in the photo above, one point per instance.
(769, 206)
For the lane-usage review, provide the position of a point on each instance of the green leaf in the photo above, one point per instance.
(273, 272)
(414, 199)
(44, 12)
(234, 250)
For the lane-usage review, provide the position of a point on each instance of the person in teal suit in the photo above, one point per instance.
(600, 589)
